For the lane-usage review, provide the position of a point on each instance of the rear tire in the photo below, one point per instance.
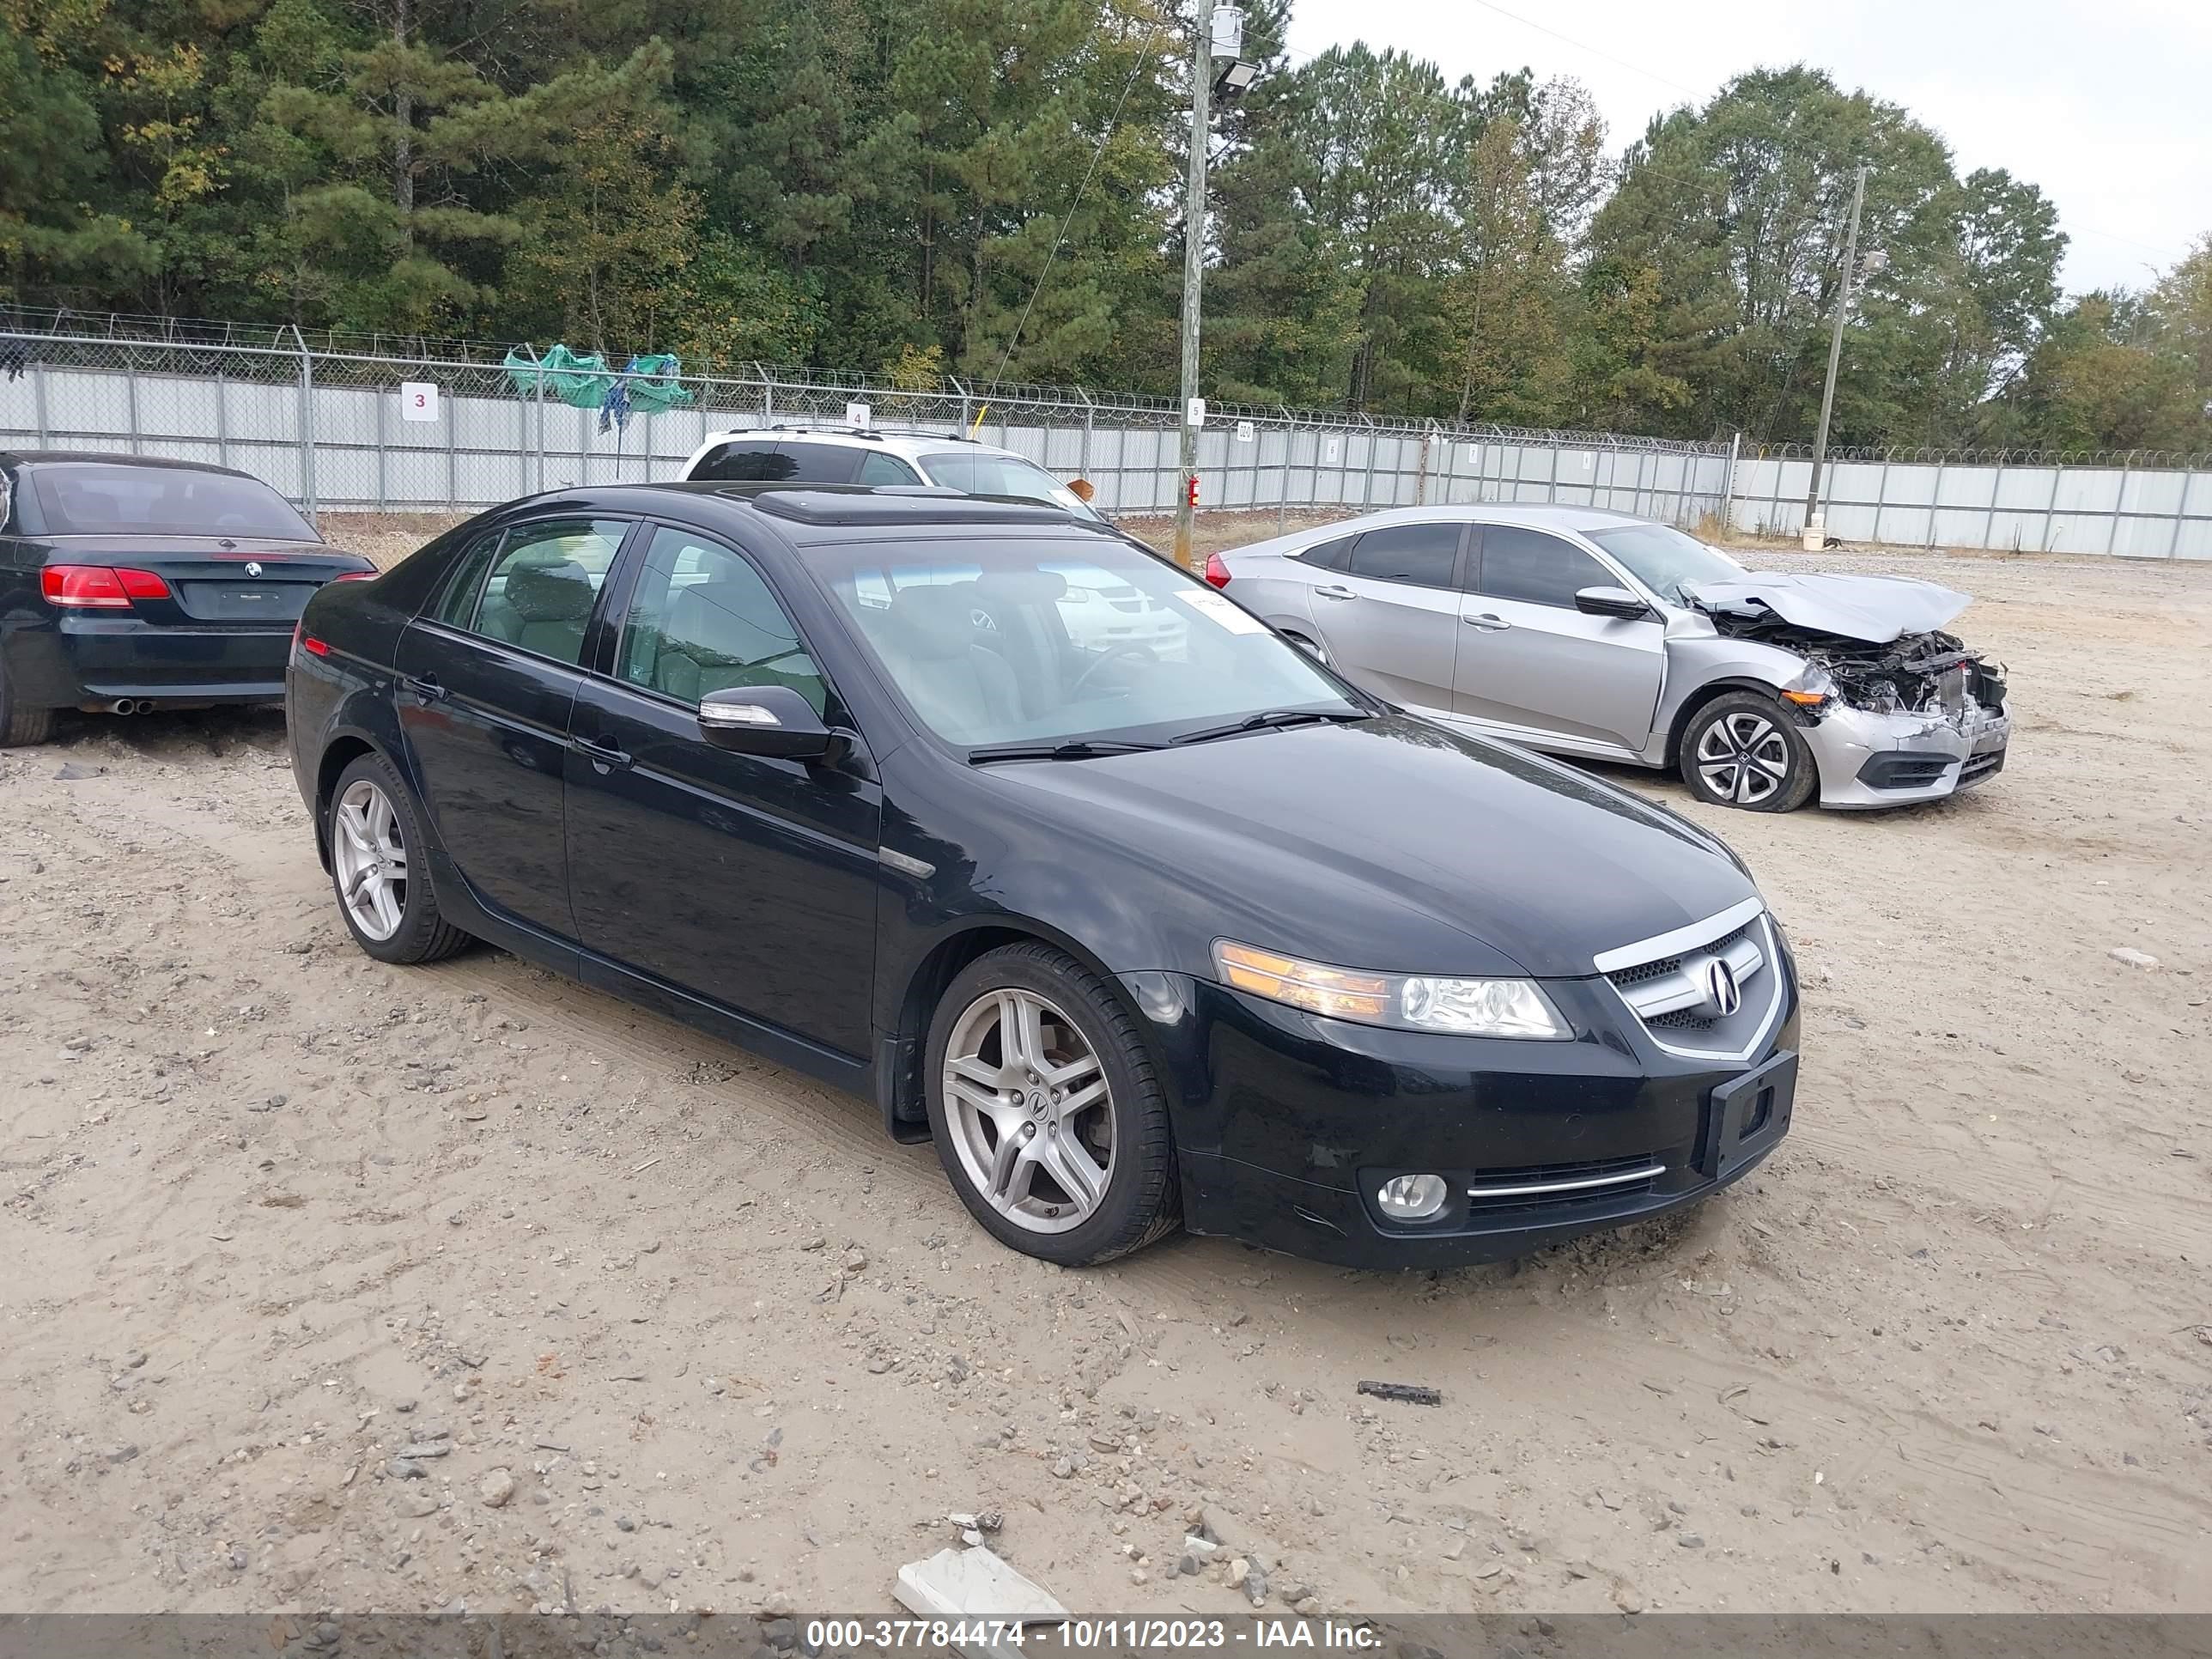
(1743, 750)
(1056, 1137)
(379, 869)
(20, 723)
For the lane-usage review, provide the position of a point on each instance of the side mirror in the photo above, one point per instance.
(1611, 602)
(763, 719)
(1082, 490)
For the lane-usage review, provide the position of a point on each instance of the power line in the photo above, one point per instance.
(1104, 138)
(1581, 45)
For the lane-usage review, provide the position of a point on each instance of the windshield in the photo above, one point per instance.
(980, 472)
(1663, 559)
(994, 642)
(160, 501)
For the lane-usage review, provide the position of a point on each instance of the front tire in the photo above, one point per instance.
(1743, 750)
(378, 867)
(1048, 1118)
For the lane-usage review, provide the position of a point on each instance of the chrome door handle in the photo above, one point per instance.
(603, 755)
(1331, 591)
(1488, 622)
(425, 686)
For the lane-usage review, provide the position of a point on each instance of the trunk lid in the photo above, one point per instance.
(217, 578)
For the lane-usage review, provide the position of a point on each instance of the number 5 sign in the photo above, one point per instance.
(418, 400)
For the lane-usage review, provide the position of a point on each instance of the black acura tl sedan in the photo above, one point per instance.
(128, 584)
(1179, 931)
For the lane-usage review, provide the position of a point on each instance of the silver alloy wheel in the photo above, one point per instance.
(370, 860)
(1743, 757)
(1031, 1118)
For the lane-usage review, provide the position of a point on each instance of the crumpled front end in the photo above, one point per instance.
(1914, 718)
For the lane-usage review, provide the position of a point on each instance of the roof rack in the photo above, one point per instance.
(816, 505)
(845, 429)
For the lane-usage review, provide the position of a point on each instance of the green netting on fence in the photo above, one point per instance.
(574, 379)
(650, 384)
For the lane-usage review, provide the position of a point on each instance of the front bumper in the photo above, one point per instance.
(95, 660)
(1871, 760)
(1286, 1124)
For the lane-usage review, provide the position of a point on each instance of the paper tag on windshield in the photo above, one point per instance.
(1231, 615)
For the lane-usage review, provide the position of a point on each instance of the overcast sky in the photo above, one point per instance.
(2107, 106)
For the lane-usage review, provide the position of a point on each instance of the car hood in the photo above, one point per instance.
(1875, 609)
(1392, 844)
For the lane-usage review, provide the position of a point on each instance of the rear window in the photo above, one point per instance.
(741, 463)
(160, 500)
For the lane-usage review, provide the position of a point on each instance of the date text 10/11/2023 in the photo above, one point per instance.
(1088, 1635)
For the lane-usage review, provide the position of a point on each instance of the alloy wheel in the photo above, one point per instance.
(1031, 1116)
(1743, 757)
(371, 859)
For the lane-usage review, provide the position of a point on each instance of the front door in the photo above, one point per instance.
(486, 680)
(747, 881)
(1389, 618)
(1533, 665)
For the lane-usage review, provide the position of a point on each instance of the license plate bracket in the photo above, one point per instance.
(1747, 1114)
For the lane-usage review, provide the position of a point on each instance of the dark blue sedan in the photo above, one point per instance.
(128, 584)
(1185, 931)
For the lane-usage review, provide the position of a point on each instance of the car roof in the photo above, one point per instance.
(908, 444)
(1544, 515)
(18, 458)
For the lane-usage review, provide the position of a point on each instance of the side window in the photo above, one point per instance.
(753, 461)
(1329, 555)
(1425, 554)
(465, 586)
(880, 468)
(704, 620)
(544, 582)
(803, 463)
(1527, 565)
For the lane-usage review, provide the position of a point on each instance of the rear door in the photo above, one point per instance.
(1389, 615)
(1532, 663)
(486, 679)
(745, 880)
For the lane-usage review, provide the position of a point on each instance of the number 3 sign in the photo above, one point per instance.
(418, 401)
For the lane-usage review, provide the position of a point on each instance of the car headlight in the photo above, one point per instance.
(1414, 1002)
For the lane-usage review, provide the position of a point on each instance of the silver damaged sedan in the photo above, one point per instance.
(1588, 633)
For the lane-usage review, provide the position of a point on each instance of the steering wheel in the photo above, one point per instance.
(1134, 647)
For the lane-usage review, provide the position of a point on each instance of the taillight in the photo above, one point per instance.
(313, 646)
(1216, 572)
(97, 587)
(356, 575)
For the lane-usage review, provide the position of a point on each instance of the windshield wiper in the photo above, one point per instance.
(1268, 720)
(1077, 749)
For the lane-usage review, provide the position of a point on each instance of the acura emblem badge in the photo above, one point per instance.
(1722, 995)
(252, 568)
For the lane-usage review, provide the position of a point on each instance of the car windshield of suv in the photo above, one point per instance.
(160, 501)
(1665, 560)
(979, 472)
(988, 644)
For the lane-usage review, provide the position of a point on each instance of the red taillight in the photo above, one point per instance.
(1216, 572)
(356, 575)
(313, 646)
(96, 587)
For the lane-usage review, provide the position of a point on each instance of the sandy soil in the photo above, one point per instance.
(677, 1328)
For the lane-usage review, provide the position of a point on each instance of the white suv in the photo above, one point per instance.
(1099, 611)
(851, 455)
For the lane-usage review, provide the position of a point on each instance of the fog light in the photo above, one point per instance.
(1412, 1198)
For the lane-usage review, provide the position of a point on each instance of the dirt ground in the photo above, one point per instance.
(669, 1327)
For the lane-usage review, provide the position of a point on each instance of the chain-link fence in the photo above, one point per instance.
(372, 422)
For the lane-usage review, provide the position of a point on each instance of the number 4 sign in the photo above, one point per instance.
(418, 401)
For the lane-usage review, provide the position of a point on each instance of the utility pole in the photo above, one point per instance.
(1815, 522)
(1193, 273)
